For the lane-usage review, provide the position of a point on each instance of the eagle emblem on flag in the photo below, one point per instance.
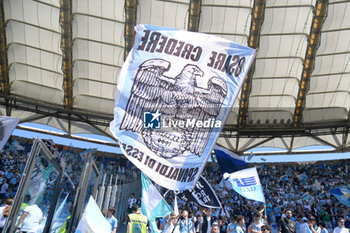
(177, 99)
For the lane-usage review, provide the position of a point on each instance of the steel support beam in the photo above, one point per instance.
(130, 7)
(320, 13)
(324, 142)
(253, 42)
(194, 15)
(64, 135)
(36, 117)
(97, 128)
(26, 104)
(66, 47)
(257, 144)
(4, 74)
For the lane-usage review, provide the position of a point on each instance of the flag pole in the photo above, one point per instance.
(177, 214)
(241, 202)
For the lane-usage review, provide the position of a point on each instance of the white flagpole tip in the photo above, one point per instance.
(226, 176)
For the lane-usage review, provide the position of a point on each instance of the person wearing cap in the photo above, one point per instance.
(299, 222)
(341, 227)
(286, 225)
(304, 226)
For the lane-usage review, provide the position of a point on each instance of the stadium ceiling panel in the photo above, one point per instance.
(60, 61)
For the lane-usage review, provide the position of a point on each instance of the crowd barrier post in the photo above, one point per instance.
(101, 192)
(108, 194)
(114, 192)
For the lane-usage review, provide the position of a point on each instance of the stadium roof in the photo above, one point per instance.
(59, 63)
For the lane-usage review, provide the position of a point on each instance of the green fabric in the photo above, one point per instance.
(63, 228)
(324, 216)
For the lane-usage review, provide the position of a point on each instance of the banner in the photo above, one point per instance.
(92, 220)
(247, 183)
(228, 161)
(202, 193)
(7, 125)
(174, 93)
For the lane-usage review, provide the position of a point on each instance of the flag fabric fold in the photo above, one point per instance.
(228, 161)
(7, 126)
(343, 195)
(247, 183)
(202, 194)
(92, 220)
(153, 204)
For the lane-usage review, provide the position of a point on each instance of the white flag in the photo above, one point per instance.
(92, 220)
(247, 183)
(174, 94)
(7, 125)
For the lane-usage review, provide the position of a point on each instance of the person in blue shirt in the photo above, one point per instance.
(186, 224)
(240, 224)
(112, 220)
(232, 226)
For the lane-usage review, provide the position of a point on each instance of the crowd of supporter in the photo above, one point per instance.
(41, 187)
(302, 188)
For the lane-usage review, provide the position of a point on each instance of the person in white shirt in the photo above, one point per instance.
(240, 224)
(30, 220)
(131, 201)
(340, 228)
(171, 224)
(312, 225)
(323, 227)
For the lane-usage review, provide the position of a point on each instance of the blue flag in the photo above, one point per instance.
(153, 204)
(343, 195)
(228, 161)
(247, 183)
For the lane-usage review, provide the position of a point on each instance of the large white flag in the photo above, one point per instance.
(247, 183)
(92, 220)
(7, 125)
(174, 93)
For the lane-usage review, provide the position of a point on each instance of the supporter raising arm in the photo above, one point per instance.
(255, 226)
